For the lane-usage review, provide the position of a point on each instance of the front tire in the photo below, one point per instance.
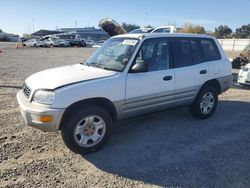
(205, 103)
(86, 130)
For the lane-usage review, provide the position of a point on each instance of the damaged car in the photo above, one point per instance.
(244, 75)
(242, 59)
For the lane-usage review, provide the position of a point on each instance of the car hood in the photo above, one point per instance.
(61, 76)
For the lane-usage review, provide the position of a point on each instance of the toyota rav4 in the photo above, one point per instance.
(130, 75)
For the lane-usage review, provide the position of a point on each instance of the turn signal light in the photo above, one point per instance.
(46, 118)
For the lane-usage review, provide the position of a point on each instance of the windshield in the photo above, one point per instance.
(114, 54)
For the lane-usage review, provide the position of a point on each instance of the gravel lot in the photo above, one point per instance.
(167, 149)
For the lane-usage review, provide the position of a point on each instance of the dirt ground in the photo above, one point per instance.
(167, 149)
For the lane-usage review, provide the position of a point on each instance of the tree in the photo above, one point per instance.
(1, 30)
(191, 28)
(223, 31)
(243, 31)
(130, 27)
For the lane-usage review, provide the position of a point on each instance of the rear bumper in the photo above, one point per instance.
(31, 113)
(225, 82)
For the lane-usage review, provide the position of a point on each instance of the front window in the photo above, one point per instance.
(114, 54)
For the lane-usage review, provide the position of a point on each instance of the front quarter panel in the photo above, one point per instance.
(111, 88)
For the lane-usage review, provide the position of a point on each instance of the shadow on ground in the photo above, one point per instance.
(174, 149)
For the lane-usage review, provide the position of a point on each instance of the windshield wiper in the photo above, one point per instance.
(108, 68)
(94, 64)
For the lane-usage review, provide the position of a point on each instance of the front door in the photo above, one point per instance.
(152, 90)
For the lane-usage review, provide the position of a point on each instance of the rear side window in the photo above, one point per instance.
(210, 50)
(192, 51)
(196, 51)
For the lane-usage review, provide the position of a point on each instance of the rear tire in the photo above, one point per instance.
(205, 103)
(86, 130)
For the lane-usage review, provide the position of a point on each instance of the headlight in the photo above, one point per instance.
(245, 69)
(44, 97)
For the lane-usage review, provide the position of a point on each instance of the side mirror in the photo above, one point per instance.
(139, 67)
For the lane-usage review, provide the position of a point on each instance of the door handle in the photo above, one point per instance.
(166, 78)
(203, 72)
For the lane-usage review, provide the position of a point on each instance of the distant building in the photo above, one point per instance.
(87, 33)
(8, 37)
(43, 32)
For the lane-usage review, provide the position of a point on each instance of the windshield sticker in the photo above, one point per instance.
(129, 42)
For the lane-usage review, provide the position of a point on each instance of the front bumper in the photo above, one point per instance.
(31, 113)
(244, 81)
(244, 78)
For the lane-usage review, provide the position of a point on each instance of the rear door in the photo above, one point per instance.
(152, 90)
(190, 69)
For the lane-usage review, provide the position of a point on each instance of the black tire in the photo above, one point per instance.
(73, 119)
(196, 107)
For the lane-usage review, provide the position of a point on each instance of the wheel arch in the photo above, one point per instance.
(105, 103)
(214, 83)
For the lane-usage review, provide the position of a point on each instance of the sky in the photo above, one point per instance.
(26, 16)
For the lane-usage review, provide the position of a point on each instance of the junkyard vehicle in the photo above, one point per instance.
(48, 42)
(165, 29)
(242, 59)
(21, 42)
(244, 75)
(90, 43)
(111, 27)
(78, 43)
(34, 43)
(142, 30)
(129, 75)
(98, 44)
(61, 43)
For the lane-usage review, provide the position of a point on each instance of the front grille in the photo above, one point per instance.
(26, 90)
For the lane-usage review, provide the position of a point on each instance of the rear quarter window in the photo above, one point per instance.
(210, 50)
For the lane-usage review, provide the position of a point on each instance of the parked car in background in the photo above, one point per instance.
(34, 43)
(21, 42)
(78, 43)
(244, 75)
(142, 30)
(128, 76)
(98, 44)
(164, 29)
(242, 59)
(61, 43)
(48, 42)
(90, 43)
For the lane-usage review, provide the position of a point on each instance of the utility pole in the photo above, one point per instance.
(33, 25)
(146, 19)
(75, 24)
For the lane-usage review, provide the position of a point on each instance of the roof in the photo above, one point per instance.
(154, 35)
(45, 32)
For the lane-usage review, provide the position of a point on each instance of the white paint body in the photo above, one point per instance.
(130, 93)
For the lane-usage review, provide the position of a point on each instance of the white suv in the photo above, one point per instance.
(129, 75)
